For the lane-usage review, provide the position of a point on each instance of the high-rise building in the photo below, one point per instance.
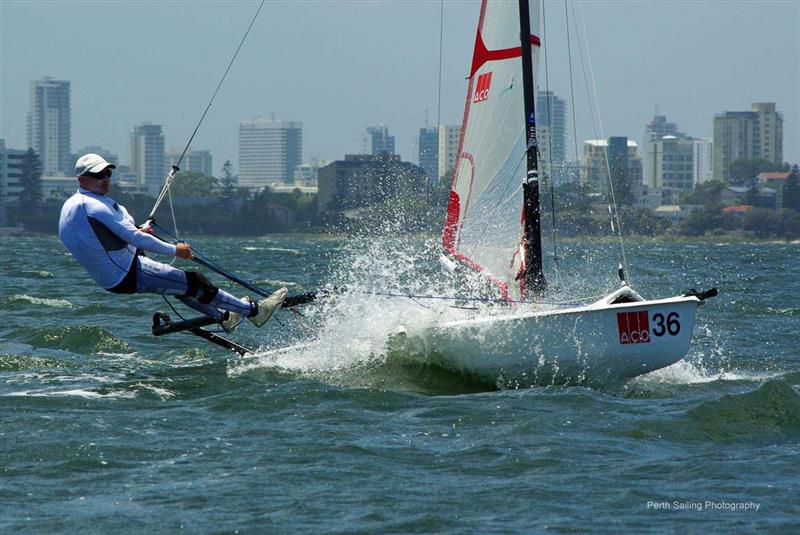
(378, 141)
(747, 134)
(659, 127)
(10, 178)
(734, 138)
(769, 132)
(626, 170)
(618, 164)
(194, 161)
(597, 160)
(654, 131)
(551, 119)
(449, 137)
(671, 166)
(702, 160)
(146, 156)
(269, 151)
(49, 125)
(429, 152)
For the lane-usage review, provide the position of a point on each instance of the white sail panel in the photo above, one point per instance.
(483, 225)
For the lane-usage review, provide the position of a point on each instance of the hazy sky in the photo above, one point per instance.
(339, 66)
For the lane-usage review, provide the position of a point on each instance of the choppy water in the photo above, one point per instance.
(106, 428)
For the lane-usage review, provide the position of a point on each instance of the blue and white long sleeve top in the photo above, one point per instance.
(103, 238)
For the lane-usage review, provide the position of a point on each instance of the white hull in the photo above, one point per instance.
(598, 343)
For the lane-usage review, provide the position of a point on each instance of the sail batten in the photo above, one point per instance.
(483, 227)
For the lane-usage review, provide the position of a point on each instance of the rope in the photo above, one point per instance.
(615, 214)
(173, 308)
(172, 213)
(174, 224)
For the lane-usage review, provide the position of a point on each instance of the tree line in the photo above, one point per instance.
(216, 206)
(577, 215)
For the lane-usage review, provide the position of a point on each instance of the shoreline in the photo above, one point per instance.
(333, 236)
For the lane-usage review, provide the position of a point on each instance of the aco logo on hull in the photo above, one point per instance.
(482, 87)
(634, 327)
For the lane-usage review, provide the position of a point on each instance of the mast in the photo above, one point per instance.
(533, 282)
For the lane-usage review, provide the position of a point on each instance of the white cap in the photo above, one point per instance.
(91, 163)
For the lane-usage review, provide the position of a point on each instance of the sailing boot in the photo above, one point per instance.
(267, 306)
(231, 320)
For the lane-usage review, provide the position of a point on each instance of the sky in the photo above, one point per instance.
(340, 66)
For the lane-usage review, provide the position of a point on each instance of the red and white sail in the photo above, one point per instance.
(483, 225)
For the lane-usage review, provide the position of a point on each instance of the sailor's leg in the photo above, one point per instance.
(207, 294)
(192, 288)
(207, 310)
(223, 300)
(155, 277)
(227, 301)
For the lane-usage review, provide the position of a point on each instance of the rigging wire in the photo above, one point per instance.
(176, 167)
(508, 302)
(572, 88)
(439, 87)
(550, 146)
(596, 102)
(585, 80)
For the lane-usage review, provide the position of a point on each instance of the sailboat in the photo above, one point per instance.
(492, 229)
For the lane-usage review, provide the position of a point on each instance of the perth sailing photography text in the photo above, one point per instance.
(536, 321)
(706, 505)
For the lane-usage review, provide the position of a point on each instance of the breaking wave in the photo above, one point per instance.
(686, 372)
(24, 298)
(42, 274)
(86, 393)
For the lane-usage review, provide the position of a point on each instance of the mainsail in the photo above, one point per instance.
(484, 222)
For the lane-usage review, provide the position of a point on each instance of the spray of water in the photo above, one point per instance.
(354, 327)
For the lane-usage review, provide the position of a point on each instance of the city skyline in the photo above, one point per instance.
(279, 144)
(337, 87)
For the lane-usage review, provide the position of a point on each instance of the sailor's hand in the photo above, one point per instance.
(145, 227)
(183, 250)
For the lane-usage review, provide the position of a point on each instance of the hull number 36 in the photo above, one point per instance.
(670, 325)
(635, 327)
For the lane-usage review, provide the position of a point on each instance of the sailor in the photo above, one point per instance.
(103, 238)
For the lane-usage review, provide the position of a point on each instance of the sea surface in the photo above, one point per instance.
(105, 428)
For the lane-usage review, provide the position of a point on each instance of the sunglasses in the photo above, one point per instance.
(106, 173)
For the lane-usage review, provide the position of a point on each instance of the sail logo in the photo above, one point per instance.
(634, 327)
(482, 87)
